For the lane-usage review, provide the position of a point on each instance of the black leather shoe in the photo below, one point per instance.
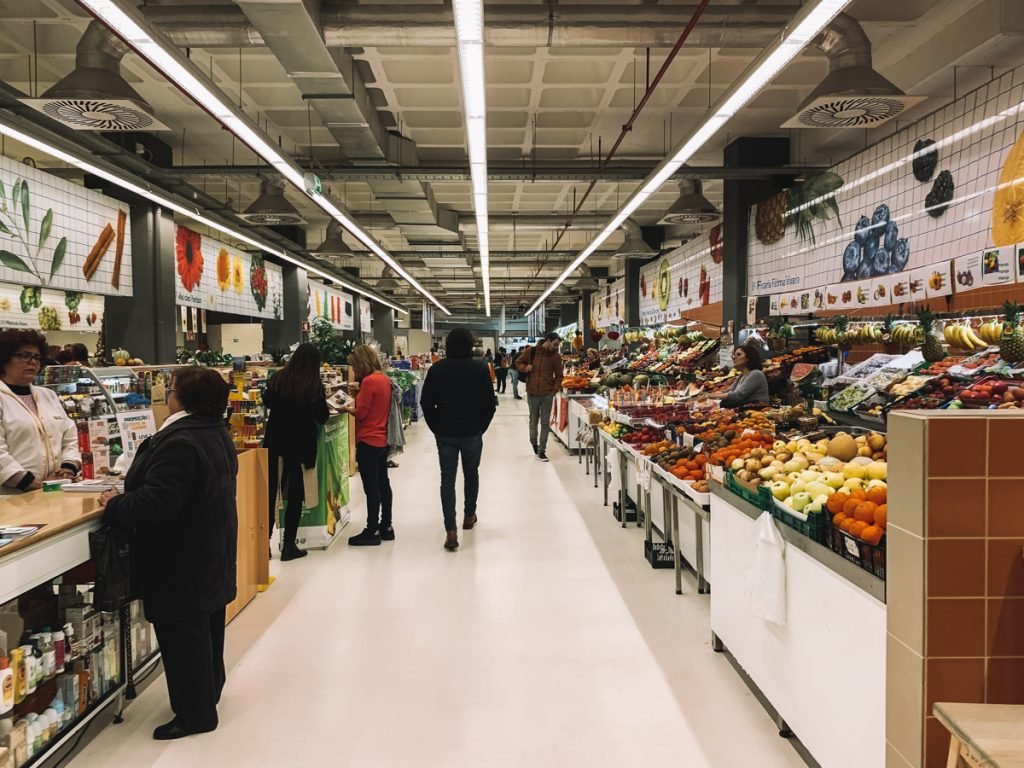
(175, 730)
(292, 552)
(451, 541)
(367, 538)
(387, 534)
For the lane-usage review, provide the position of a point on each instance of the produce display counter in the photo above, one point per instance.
(568, 414)
(798, 668)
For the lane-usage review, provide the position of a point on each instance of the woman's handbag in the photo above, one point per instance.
(108, 548)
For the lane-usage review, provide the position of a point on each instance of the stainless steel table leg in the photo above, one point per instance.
(677, 555)
(702, 584)
(648, 523)
(666, 512)
(604, 470)
(622, 486)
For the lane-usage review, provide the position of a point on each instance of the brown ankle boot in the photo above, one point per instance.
(451, 543)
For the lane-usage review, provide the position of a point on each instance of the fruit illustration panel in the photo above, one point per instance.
(59, 235)
(683, 280)
(937, 190)
(608, 305)
(337, 307)
(209, 274)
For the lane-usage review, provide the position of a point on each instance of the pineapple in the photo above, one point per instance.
(770, 218)
(931, 347)
(1011, 344)
(843, 337)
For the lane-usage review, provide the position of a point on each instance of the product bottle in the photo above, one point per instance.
(6, 687)
(60, 650)
(18, 666)
(69, 642)
(58, 706)
(30, 669)
(48, 653)
(52, 723)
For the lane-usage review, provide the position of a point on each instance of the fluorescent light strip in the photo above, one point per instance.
(469, 33)
(126, 24)
(128, 186)
(809, 21)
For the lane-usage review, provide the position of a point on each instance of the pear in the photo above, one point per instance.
(834, 480)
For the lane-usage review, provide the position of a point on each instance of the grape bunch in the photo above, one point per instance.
(877, 249)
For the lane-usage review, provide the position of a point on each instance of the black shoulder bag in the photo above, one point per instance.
(108, 548)
(523, 375)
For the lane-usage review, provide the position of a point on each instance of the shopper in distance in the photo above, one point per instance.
(298, 406)
(178, 508)
(501, 371)
(372, 408)
(37, 439)
(541, 367)
(513, 373)
(458, 405)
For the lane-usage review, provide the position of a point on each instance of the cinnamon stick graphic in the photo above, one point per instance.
(119, 249)
(96, 254)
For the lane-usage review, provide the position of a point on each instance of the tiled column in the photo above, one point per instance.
(955, 572)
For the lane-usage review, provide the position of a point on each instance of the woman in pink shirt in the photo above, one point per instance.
(371, 409)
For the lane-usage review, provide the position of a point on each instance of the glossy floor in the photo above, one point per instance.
(546, 640)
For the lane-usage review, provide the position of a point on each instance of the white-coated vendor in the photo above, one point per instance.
(37, 439)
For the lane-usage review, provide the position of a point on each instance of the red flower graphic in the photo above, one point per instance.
(188, 248)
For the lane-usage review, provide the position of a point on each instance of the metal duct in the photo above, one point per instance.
(95, 96)
(271, 208)
(691, 207)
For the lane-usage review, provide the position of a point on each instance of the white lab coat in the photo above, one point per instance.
(22, 447)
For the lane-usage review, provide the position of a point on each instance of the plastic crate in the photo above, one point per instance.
(659, 555)
(813, 527)
(630, 511)
(868, 556)
(760, 497)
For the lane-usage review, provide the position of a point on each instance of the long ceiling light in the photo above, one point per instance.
(469, 32)
(808, 22)
(56, 153)
(131, 27)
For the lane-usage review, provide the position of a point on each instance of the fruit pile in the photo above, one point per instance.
(684, 463)
(576, 383)
(935, 393)
(941, 366)
(616, 430)
(993, 393)
(739, 446)
(643, 437)
(861, 512)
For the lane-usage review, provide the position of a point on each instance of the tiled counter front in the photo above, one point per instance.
(956, 572)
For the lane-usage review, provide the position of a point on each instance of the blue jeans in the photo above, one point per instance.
(448, 451)
(514, 373)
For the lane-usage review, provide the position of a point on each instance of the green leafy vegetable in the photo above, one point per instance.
(72, 299)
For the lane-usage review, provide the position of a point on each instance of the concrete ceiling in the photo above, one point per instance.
(546, 106)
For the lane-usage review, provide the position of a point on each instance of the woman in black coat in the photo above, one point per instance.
(178, 508)
(298, 406)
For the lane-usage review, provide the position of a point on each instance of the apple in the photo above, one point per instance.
(818, 489)
(777, 465)
(829, 462)
(861, 460)
(737, 465)
(876, 484)
(792, 477)
(814, 457)
(823, 499)
(814, 508)
(854, 484)
(801, 500)
(801, 459)
(779, 445)
(852, 470)
(877, 470)
(809, 475)
(768, 473)
(798, 487)
(834, 479)
(780, 489)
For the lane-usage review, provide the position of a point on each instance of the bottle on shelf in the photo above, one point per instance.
(6, 686)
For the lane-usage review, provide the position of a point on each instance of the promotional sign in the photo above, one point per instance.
(46, 310)
(336, 307)
(212, 276)
(685, 279)
(135, 426)
(941, 189)
(57, 234)
(321, 523)
(365, 315)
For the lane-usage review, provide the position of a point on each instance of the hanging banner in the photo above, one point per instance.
(337, 307)
(427, 321)
(535, 321)
(608, 305)
(683, 280)
(212, 276)
(57, 234)
(46, 310)
(365, 315)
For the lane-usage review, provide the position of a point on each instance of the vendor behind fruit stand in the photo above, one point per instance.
(37, 439)
(751, 386)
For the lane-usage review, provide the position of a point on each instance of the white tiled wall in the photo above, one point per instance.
(685, 263)
(975, 134)
(335, 306)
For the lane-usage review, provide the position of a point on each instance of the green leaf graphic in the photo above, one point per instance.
(16, 194)
(58, 256)
(11, 261)
(3, 192)
(25, 204)
(5, 230)
(45, 227)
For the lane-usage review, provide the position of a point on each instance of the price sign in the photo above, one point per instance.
(851, 546)
(725, 356)
(687, 440)
(643, 473)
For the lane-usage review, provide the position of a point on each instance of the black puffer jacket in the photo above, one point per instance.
(457, 398)
(179, 510)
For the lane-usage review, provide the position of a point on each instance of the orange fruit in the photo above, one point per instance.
(872, 534)
(837, 520)
(860, 494)
(881, 516)
(877, 495)
(847, 524)
(858, 527)
(850, 506)
(865, 512)
(836, 502)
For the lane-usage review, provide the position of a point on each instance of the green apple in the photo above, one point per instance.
(768, 473)
(810, 476)
(798, 487)
(780, 489)
(853, 484)
(814, 508)
(876, 484)
(818, 489)
(801, 500)
(834, 480)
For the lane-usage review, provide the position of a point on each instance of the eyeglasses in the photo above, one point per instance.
(28, 357)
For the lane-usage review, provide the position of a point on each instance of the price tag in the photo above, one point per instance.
(687, 440)
(643, 473)
(852, 546)
(725, 356)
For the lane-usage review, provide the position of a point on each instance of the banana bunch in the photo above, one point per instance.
(826, 335)
(633, 337)
(695, 337)
(963, 336)
(991, 331)
(865, 334)
(908, 334)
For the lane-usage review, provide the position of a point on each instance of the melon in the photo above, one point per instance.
(842, 447)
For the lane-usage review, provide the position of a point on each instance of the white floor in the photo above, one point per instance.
(546, 640)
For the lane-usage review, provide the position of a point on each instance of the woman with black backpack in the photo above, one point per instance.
(501, 363)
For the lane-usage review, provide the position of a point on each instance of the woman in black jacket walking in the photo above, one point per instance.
(178, 507)
(298, 406)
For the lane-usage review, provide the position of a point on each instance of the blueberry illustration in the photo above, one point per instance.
(864, 270)
(851, 258)
(863, 231)
(901, 253)
(848, 276)
(891, 233)
(870, 247)
(893, 269)
(881, 215)
(881, 263)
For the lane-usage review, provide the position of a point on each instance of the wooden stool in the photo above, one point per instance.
(983, 735)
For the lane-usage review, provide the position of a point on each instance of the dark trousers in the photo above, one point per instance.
(193, 656)
(294, 495)
(448, 451)
(373, 471)
(502, 379)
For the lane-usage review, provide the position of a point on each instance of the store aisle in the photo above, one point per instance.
(546, 640)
